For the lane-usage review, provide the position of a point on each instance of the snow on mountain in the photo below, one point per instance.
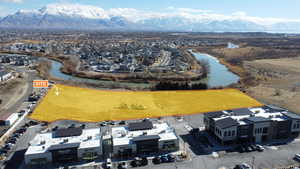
(76, 16)
(75, 10)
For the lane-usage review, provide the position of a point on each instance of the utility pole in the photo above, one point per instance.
(253, 158)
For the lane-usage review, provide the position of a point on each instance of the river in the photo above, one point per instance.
(219, 75)
(56, 73)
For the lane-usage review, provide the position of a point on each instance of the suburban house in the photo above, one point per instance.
(252, 125)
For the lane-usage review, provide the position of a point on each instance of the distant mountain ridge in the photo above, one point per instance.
(84, 17)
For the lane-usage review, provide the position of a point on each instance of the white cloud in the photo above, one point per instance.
(189, 14)
(13, 1)
(3, 11)
(188, 10)
(239, 13)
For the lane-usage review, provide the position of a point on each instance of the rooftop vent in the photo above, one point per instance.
(89, 137)
(65, 140)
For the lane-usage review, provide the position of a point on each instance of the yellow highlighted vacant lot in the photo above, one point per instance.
(92, 105)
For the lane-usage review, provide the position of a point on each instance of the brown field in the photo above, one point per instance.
(280, 81)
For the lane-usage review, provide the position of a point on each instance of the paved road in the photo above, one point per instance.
(16, 106)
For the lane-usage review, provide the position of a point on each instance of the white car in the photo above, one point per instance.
(108, 163)
(297, 157)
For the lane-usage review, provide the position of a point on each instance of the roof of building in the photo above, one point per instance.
(67, 132)
(143, 125)
(226, 122)
(272, 109)
(292, 115)
(42, 143)
(241, 112)
(123, 136)
(258, 119)
(147, 137)
(214, 114)
(3, 73)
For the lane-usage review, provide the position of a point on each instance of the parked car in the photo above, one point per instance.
(253, 147)
(122, 165)
(16, 135)
(171, 158)
(55, 128)
(108, 163)
(112, 123)
(297, 157)
(156, 160)
(72, 126)
(249, 149)
(11, 141)
(103, 124)
(3, 152)
(33, 123)
(242, 166)
(259, 148)
(137, 162)
(144, 161)
(122, 122)
(164, 159)
(21, 130)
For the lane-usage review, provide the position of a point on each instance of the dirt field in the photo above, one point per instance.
(90, 105)
(11, 92)
(280, 82)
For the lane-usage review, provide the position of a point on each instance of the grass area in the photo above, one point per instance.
(90, 105)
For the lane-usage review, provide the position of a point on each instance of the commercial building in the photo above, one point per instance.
(4, 75)
(64, 145)
(253, 125)
(143, 138)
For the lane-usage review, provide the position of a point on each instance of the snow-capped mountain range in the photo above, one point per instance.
(85, 17)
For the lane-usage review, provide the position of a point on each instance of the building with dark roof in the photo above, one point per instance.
(143, 125)
(138, 139)
(253, 125)
(226, 123)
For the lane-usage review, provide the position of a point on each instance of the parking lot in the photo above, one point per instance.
(199, 155)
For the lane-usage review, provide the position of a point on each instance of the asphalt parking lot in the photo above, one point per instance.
(199, 157)
(271, 157)
(15, 157)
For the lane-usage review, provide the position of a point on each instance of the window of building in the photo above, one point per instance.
(225, 133)
(265, 130)
(233, 133)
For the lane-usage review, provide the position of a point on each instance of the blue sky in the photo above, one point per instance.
(261, 8)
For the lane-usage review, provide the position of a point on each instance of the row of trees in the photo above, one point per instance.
(179, 86)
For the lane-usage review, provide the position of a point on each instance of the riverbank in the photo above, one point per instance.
(71, 68)
(246, 79)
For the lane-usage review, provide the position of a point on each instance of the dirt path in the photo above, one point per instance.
(12, 96)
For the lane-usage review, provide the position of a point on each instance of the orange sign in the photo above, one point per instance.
(40, 83)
